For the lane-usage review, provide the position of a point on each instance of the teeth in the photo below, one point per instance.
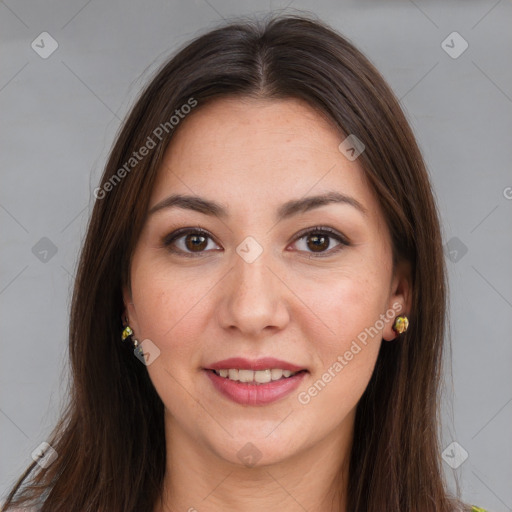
(276, 374)
(262, 376)
(245, 375)
(257, 377)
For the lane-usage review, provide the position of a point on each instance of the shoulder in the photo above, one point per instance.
(466, 507)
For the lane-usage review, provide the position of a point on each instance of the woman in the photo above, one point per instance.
(258, 315)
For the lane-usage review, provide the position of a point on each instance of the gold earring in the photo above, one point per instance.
(400, 324)
(127, 332)
(137, 348)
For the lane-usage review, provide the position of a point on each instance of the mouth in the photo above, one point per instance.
(255, 387)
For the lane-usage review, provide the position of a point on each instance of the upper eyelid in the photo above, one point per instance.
(324, 229)
(178, 233)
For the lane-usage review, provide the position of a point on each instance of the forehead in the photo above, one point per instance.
(254, 153)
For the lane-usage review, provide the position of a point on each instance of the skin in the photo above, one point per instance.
(291, 303)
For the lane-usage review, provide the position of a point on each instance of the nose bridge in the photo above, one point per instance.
(253, 300)
(252, 276)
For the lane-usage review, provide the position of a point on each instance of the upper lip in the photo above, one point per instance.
(255, 364)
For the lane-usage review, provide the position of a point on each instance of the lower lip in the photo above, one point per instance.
(255, 394)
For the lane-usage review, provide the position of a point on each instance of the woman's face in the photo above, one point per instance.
(262, 279)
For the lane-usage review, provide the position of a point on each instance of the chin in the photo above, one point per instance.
(257, 450)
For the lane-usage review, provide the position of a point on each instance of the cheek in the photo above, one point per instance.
(346, 353)
(171, 311)
(160, 296)
(346, 341)
(343, 307)
(171, 320)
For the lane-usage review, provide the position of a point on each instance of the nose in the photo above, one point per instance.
(253, 298)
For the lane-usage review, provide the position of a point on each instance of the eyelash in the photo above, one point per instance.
(317, 230)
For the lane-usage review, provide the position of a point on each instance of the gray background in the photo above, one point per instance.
(59, 118)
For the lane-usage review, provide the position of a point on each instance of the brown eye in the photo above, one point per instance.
(318, 240)
(318, 243)
(187, 241)
(193, 242)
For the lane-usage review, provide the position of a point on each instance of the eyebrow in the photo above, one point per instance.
(285, 211)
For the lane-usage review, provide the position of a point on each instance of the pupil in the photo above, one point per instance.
(199, 246)
(315, 245)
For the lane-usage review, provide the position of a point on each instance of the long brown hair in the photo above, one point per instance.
(110, 438)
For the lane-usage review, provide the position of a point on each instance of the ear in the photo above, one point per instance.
(400, 299)
(129, 313)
